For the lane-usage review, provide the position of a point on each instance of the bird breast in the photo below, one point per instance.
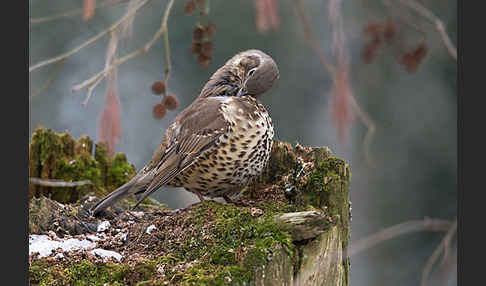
(239, 155)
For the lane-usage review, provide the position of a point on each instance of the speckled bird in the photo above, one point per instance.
(220, 142)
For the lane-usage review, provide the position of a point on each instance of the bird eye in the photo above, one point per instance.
(251, 72)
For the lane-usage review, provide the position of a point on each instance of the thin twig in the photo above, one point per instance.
(371, 126)
(447, 241)
(365, 118)
(168, 65)
(163, 30)
(74, 12)
(50, 80)
(404, 17)
(439, 25)
(91, 89)
(443, 246)
(310, 36)
(397, 230)
(91, 40)
(58, 183)
(99, 76)
(96, 79)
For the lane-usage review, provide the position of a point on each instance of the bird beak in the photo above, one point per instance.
(242, 92)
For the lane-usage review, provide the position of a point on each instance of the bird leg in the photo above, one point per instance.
(199, 195)
(228, 200)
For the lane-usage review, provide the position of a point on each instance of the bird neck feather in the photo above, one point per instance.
(226, 81)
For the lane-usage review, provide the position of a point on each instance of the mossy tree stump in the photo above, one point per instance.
(60, 157)
(290, 227)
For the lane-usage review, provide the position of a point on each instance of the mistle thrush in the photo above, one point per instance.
(217, 144)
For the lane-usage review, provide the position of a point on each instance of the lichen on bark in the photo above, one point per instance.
(209, 243)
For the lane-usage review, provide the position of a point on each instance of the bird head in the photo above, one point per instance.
(257, 70)
(251, 72)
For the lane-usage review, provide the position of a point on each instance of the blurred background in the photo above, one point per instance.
(345, 67)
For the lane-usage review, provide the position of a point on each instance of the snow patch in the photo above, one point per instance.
(106, 253)
(104, 225)
(45, 246)
(150, 229)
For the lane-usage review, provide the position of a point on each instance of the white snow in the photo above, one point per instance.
(104, 225)
(93, 237)
(124, 236)
(150, 229)
(106, 253)
(59, 256)
(45, 246)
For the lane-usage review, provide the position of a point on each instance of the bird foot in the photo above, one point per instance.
(200, 196)
(228, 200)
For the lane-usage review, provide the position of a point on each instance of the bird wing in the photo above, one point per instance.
(193, 131)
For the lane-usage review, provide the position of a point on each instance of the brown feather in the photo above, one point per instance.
(194, 130)
(225, 104)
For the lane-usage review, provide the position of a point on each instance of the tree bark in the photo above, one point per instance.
(289, 227)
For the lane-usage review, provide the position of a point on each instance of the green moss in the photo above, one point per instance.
(120, 171)
(59, 156)
(232, 230)
(84, 145)
(81, 273)
(213, 243)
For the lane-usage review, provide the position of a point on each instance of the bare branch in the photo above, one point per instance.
(311, 37)
(50, 80)
(448, 240)
(443, 246)
(96, 79)
(370, 124)
(74, 12)
(163, 30)
(364, 117)
(99, 76)
(91, 89)
(426, 224)
(433, 19)
(58, 183)
(91, 40)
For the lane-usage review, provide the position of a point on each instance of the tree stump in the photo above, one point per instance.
(289, 227)
(59, 157)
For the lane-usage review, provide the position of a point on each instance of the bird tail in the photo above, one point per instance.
(113, 197)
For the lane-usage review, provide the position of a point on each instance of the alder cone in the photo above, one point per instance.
(210, 30)
(189, 7)
(207, 49)
(159, 111)
(170, 102)
(158, 87)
